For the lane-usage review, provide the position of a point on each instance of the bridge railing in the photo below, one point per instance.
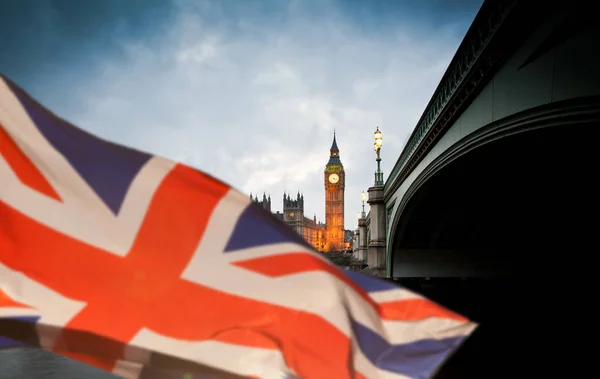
(485, 25)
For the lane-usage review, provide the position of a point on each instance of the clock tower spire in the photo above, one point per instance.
(335, 181)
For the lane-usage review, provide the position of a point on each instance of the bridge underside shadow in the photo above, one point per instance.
(494, 234)
(507, 208)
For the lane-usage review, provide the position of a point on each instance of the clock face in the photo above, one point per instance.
(334, 178)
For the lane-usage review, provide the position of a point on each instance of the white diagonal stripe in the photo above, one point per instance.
(54, 308)
(242, 360)
(393, 295)
(81, 214)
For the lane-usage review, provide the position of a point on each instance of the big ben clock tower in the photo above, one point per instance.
(334, 200)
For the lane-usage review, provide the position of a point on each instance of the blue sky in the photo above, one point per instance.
(249, 91)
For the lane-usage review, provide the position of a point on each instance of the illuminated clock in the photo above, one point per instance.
(334, 178)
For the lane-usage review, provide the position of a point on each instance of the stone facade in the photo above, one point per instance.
(376, 249)
(313, 231)
(324, 237)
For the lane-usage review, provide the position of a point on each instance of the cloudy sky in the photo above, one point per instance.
(248, 91)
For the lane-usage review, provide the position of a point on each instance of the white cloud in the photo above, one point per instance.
(202, 52)
(255, 102)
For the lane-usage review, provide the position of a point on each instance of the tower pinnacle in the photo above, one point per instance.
(334, 153)
(334, 146)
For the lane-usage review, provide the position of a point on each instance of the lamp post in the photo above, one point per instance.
(376, 246)
(363, 198)
(377, 145)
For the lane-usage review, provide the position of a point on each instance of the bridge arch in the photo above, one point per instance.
(492, 200)
(499, 194)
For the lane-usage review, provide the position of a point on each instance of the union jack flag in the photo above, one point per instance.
(133, 263)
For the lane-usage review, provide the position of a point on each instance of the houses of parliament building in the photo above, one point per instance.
(324, 237)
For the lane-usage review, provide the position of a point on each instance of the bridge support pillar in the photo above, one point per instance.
(376, 259)
(361, 252)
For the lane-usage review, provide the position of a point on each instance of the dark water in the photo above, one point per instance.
(40, 364)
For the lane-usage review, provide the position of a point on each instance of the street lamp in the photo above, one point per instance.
(363, 198)
(378, 143)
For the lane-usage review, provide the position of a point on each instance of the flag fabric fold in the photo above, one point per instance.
(149, 268)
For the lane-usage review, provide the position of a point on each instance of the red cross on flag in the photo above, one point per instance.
(137, 264)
